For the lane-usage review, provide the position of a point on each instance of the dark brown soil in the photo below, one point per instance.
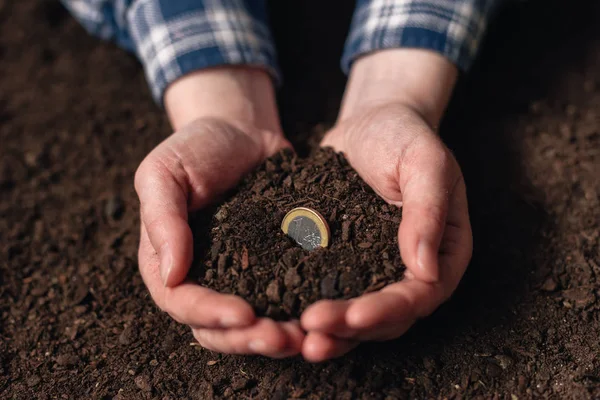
(76, 119)
(249, 255)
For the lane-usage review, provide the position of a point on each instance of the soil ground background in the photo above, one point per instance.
(76, 119)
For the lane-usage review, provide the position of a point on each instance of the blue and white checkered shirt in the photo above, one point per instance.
(174, 37)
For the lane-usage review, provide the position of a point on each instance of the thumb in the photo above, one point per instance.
(428, 176)
(164, 212)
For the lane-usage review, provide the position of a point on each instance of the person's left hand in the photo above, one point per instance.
(396, 151)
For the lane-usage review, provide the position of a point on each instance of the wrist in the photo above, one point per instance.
(243, 96)
(419, 79)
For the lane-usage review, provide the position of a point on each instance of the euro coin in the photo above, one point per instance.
(306, 227)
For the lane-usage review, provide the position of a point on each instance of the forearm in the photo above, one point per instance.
(243, 95)
(409, 51)
(420, 79)
(174, 40)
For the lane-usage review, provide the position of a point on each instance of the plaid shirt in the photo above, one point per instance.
(174, 37)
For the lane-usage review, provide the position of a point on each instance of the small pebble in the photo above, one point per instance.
(328, 287)
(245, 286)
(33, 380)
(582, 296)
(274, 292)
(292, 279)
(347, 280)
(289, 302)
(290, 257)
(66, 360)
(32, 158)
(238, 384)
(127, 336)
(549, 285)
(221, 214)
(222, 264)
(504, 361)
(346, 230)
(215, 249)
(143, 382)
(210, 274)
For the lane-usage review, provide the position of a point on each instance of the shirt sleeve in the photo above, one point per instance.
(453, 28)
(174, 37)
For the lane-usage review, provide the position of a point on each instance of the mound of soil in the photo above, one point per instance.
(251, 256)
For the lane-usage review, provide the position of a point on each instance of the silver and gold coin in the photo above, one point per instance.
(307, 227)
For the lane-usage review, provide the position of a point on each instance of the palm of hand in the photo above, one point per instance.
(404, 161)
(185, 173)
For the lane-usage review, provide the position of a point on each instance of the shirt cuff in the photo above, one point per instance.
(173, 38)
(453, 28)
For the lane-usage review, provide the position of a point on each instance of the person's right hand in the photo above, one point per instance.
(184, 173)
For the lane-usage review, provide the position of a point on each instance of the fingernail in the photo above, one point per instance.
(425, 262)
(257, 346)
(166, 263)
(229, 321)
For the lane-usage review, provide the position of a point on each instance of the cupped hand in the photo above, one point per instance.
(185, 173)
(399, 155)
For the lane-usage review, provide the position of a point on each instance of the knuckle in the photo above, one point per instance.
(435, 214)
(153, 224)
(156, 168)
(144, 171)
(429, 148)
(176, 314)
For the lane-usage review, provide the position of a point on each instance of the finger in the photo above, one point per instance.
(164, 212)
(197, 306)
(376, 315)
(319, 347)
(428, 176)
(387, 331)
(295, 337)
(265, 337)
(404, 300)
(359, 318)
(190, 303)
(328, 316)
(399, 305)
(457, 243)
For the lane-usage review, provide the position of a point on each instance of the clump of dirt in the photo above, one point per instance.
(249, 255)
